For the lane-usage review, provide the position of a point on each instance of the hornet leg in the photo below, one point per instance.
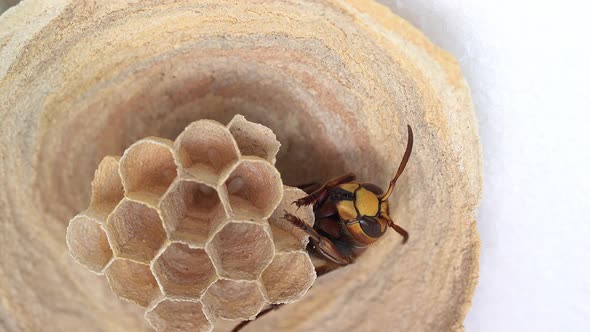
(323, 246)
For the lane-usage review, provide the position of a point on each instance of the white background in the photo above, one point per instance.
(528, 65)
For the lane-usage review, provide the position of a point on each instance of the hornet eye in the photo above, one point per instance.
(371, 227)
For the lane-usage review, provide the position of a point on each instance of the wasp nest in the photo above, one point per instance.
(190, 229)
(337, 81)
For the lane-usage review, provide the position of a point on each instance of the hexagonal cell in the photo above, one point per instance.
(148, 168)
(184, 272)
(133, 281)
(135, 231)
(288, 277)
(178, 316)
(88, 243)
(107, 188)
(190, 211)
(241, 250)
(206, 149)
(286, 236)
(254, 139)
(254, 188)
(230, 299)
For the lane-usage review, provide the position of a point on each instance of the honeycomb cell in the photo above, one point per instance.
(147, 169)
(286, 236)
(178, 316)
(254, 139)
(191, 211)
(107, 188)
(133, 281)
(88, 243)
(184, 272)
(230, 299)
(288, 277)
(135, 231)
(241, 250)
(254, 188)
(206, 149)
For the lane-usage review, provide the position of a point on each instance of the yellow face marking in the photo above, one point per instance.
(385, 207)
(350, 187)
(383, 223)
(358, 234)
(366, 202)
(346, 210)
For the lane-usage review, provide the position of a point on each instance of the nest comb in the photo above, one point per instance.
(191, 231)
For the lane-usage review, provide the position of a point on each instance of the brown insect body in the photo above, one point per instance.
(349, 215)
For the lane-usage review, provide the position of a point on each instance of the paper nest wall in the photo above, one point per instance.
(337, 81)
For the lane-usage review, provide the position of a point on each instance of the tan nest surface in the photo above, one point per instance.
(337, 81)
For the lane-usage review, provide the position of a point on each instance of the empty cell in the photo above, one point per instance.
(288, 277)
(148, 168)
(135, 231)
(286, 236)
(206, 148)
(184, 272)
(190, 211)
(230, 299)
(254, 188)
(241, 250)
(254, 139)
(133, 281)
(107, 188)
(88, 243)
(178, 316)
